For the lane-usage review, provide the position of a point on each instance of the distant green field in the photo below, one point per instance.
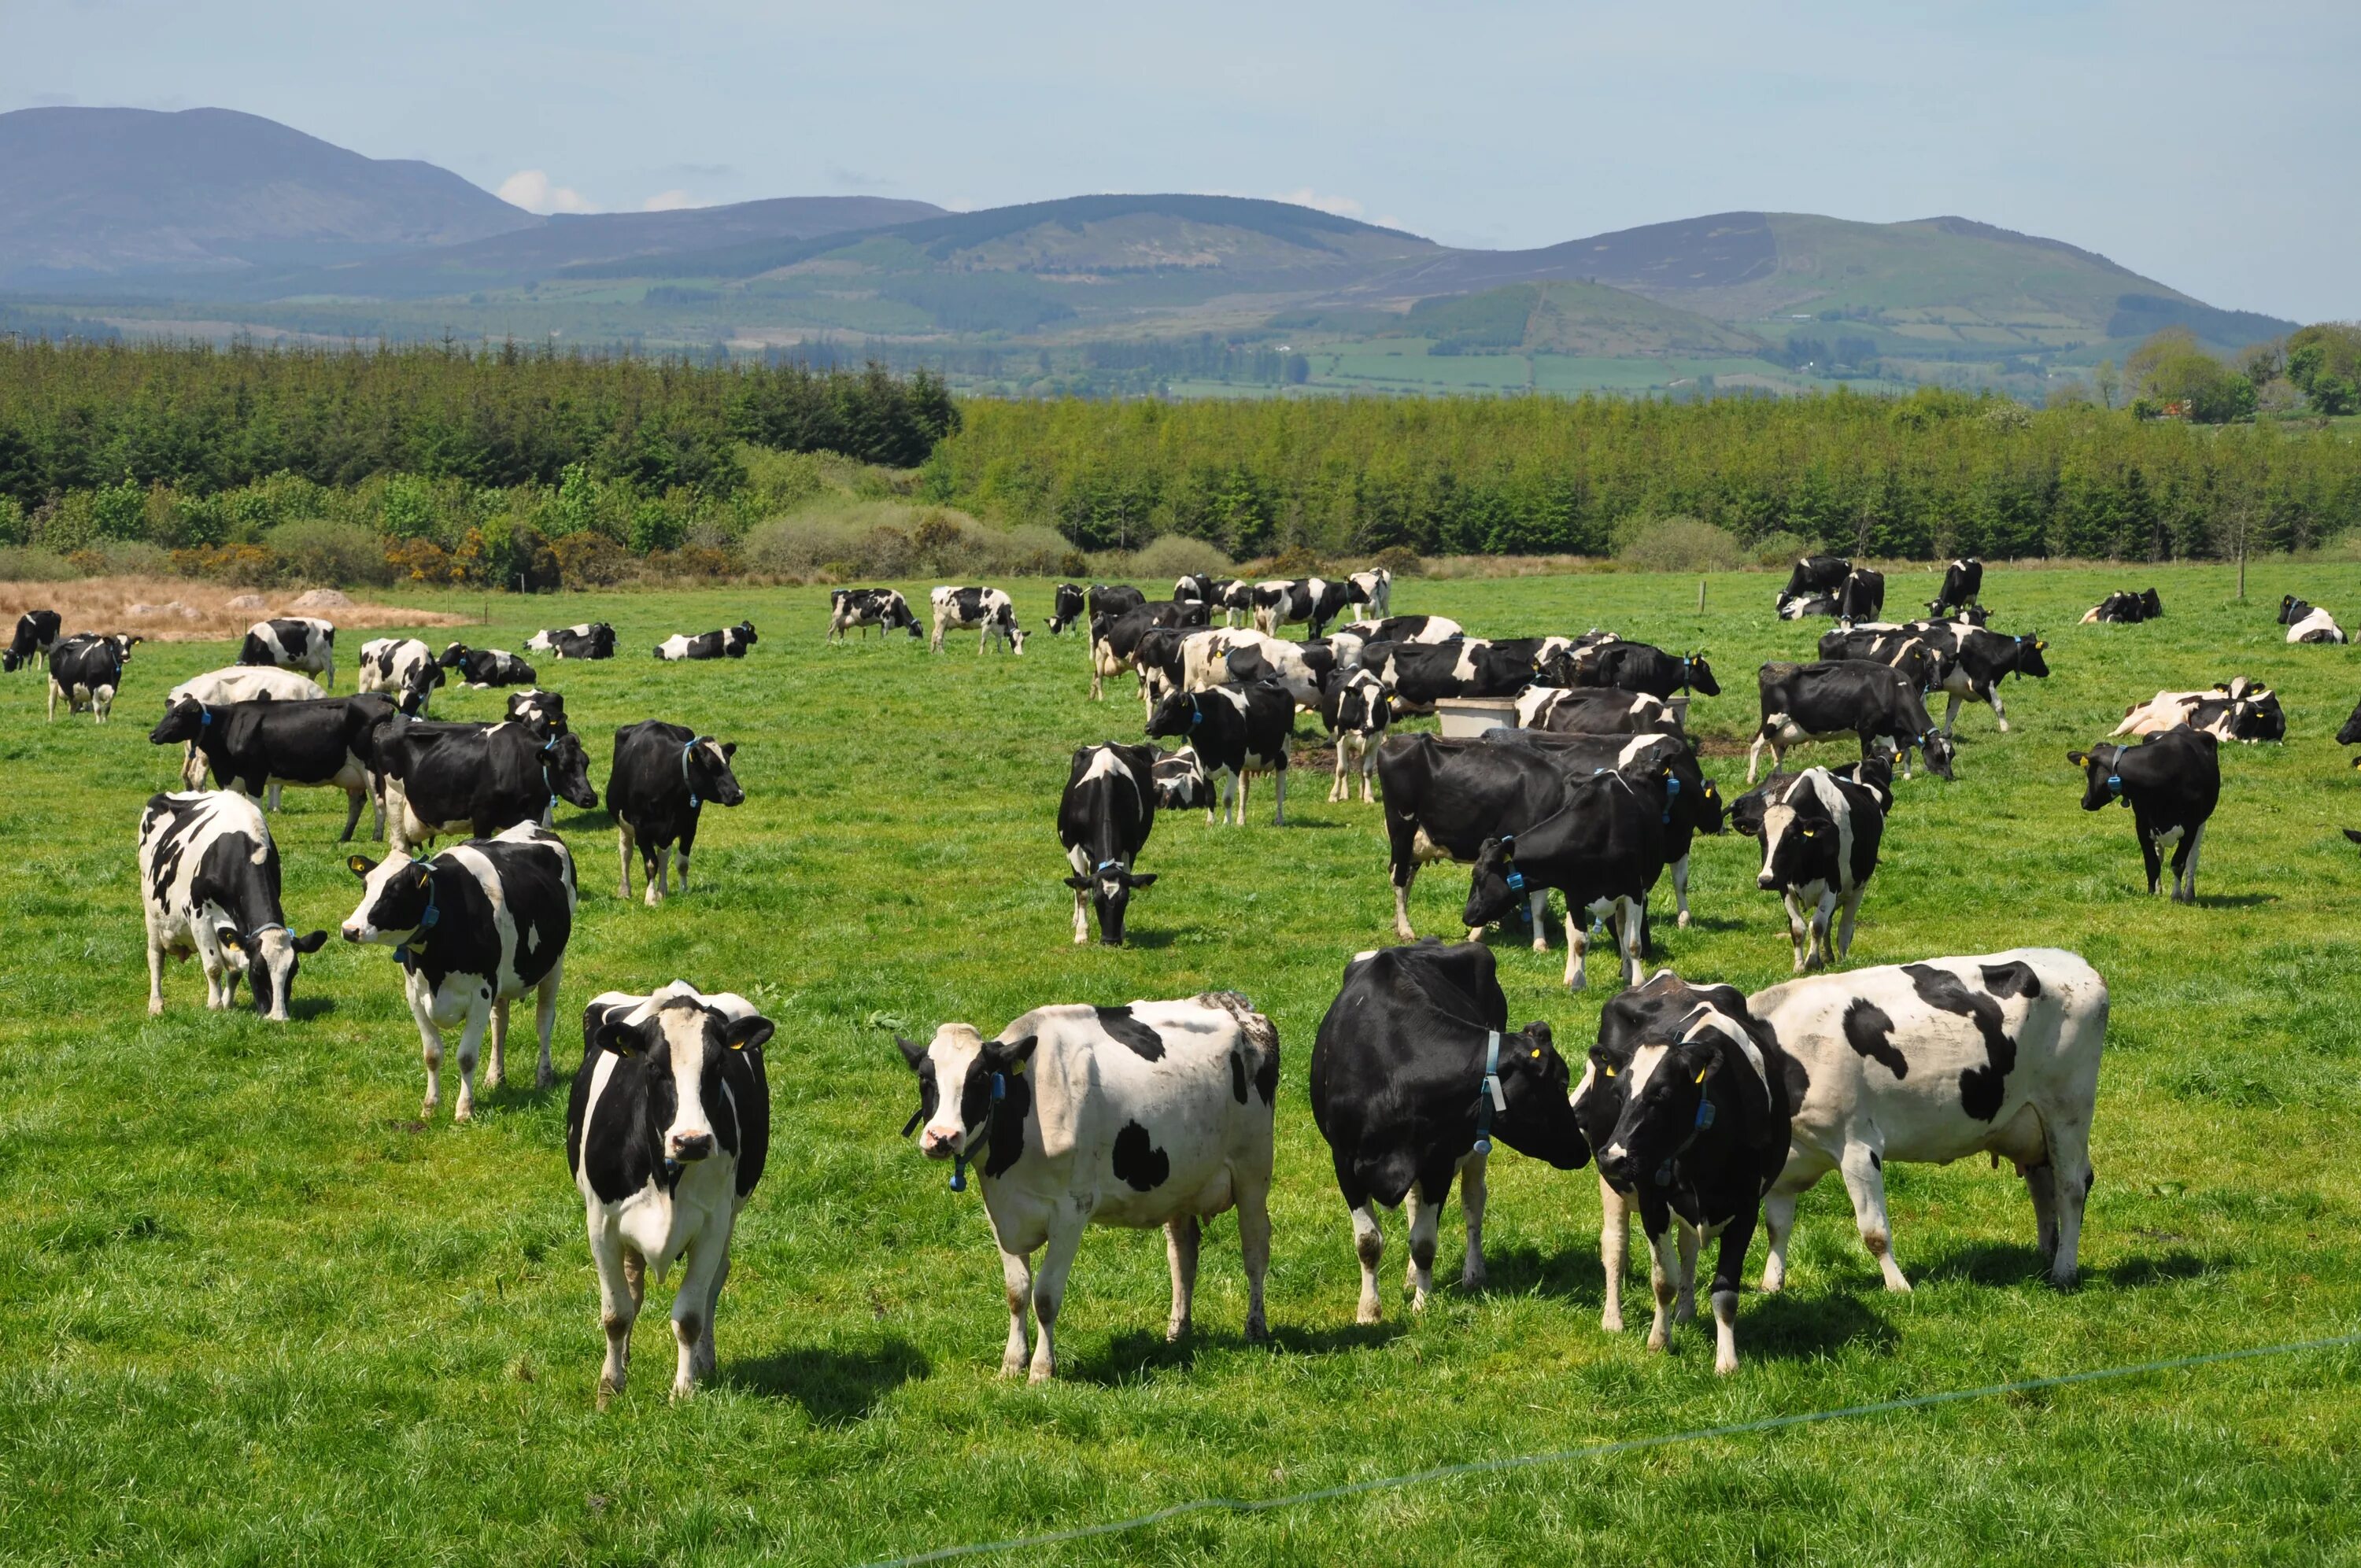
(256, 1311)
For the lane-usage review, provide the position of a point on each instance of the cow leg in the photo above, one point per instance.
(1779, 1221)
(1425, 1211)
(659, 875)
(1852, 910)
(1537, 911)
(1578, 947)
(1729, 1263)
(1681, 891)
(1253, 1252)
(155, 974)
(430, 1046)
(1685, 1304)
(1614, 1253)
(1016, 1274)
(618, 1303)
(1082, 925)
(1049, 1286)
(2184, 866)
(1822, 917)
(1863, 1167)
(2000, 714)
(1631, 930)
(1279, 791)
(2152, 858)
(1754, 756)
(1403, 877)
(623, 852)
(1797, 930)
(2041, 1187)
(1951, 716)
(355, 798)
(1245, 781)
(1663, 1275)
(1233, 793)
(545, 1024)
(471, 1042)
(1342, 789)
(1369, 773)
(1181, 1235)
(1369, 1246)
(688, 842)
(706, 1254)
(497, 1073)
(1472, 1193)
(705, 1358)
(2071, 1180)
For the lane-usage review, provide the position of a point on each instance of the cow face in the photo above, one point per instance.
(1110, 884)
(2351, 734)
(566, 765)
(1496, 887)
(1178, 714)
(955, 1072)
(684, 1041)
(185, 720)
(1555, 666)
(2292, 609)
(706, 765)
(395, 897)
(545, 711)
(2098, 765)
(2029, 661)
(1798, 851)
(1937, 752)
(1700, 675)
(744, 632)
(1538, 1117)
(454, 655)
(1660, 1046)
(268, 959)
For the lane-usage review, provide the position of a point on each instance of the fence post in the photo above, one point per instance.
(1700, 596)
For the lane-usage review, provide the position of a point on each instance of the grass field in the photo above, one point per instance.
(256, 1312)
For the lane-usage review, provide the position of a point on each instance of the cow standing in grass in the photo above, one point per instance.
(35, 634)
(209, 886)
(1355, 709)
(662, 776)
(1104, 816)
(86, 669)
(1820, 836)
(988, 612)
(2171, 782)
(403, 668)
(303, 643)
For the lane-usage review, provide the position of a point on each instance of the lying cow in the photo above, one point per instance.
(1640, 667)
(1414, 1073)
(1182, 783)
(591, 639)
(1963, 585)
(403, 668)
(2171, 782)
(1811, 702)
(478, 926)
(303, 643)
(1237, 731)
(1820, 836)
(1355, 710)
(2306, 624)
(1104, 816)
(1152, 1114)
(474, 780)
(1931, 1062)
(86, 669)
(730, 643)
(988, 612)
(35, 634)
(483, 668)
(208, 885)
(2235, 710)
(217, 688)
(667, 1130)
(2126, 608)
(663, 775)
(884, 608)
(1604, 847)
(253, 747)
(546, 710)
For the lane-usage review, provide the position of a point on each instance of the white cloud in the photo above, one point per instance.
(1305, 196)
(532, 190)
(669, 201)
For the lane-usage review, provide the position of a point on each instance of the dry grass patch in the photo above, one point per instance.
(177, 609)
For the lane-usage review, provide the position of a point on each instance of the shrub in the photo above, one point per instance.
(590, 560)
(121, 558)
(1677, 544)
(1780, 550)
(317, 551)
(1401, 560)
(420, 561)
(1295, 561)
(240, 565)
(29, 564)
(801, 547)
(1176, 554)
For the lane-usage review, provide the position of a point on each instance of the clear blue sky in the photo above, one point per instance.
(2209, 146)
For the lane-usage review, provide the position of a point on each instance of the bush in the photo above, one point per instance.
(1401, 560)
(240, 565)
(800, 546)
(1779, 551)
(122, 558)
(590, 560)
(1677, 544)
(1175, 555)
(335, 553)
(1295, 561)
(29, 564)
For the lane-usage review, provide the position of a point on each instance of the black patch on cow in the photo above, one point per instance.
(2012, 980)
(1238, 1077)
(1119, 1022)
(1007, 1145)
(1266, 1078)
(1138, 1161)
(1980, 1088)
(1876, 1160)
(1868, 1029)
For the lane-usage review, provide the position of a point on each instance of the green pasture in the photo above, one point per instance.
(256, 1311)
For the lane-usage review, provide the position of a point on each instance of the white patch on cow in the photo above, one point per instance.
(673, 647)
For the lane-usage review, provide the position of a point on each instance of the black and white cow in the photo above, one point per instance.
(1414, 1073)
(35, 634)
(1104, 816)
(86, 669)
(1876, 702)
(1905, 650)
(1067, 606)
(403, 667)
(302, 642)
(1444, 798)
(885, 609)
(1355, 710)
(1872, 774)
(463, 779)
(1182, 783)
(1806, 608)
(1964, 585)
(988, 612)
(1603, 848)
(1377, 586)
(663, 775)
(730, 643)
(1931, 1062)
(1820, 838)
(1237, 731)
(253, 747)
(1234, 598)
(1420, 675)
(1199, 659)
(591, 639)
(2236, 709)
(1197, 587)
(543, 709)
(1641, 667)
(1597, 710)
(1408, 628)
(486, 667)
(2350, 734)
(1115, 639)
(1688, 1102)
(208, 885)
(239, 683)
(1817, 575)
(1664, 765)
(2306, 624)
(667, 1130)
(2171, 782)
(1151, 1113)
(1972, 660)
(1315, 601)
(1863, 597)
(2125, 607)
(478, 926)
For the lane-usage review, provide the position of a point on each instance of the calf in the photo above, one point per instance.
(663, 775)
(1931, 1062)
(237, 684)
(1604, 848)
(1872, 774)
(1377, 586)
(1151, 1113)
(1637, 667)
(2171, 782)
(2126, 608)
(35, 634)
(1862, 596)
(1408, 628)
(1355, 710)
(401, 666)
(256, 746)
(885, 609)
(1964, 585)
(85, 669)
(478, 926)
(1414, 1073)
(302, 642)
(486, 667)
(2235, 710)
(208, 885)
(1664, 765)
(731, 642)
(1596, 711)
(986, 611)
(2306, 624)
(591, 639)
(1687, 1103)
(1103, 820)
(1820, 836)
(667, 1130)
(462, 779)
(1237, 731)
(1809, 702)
(1182, 783)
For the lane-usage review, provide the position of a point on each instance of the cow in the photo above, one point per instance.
(1193, 587)
(86, 669)
(1182, 783)
(303, 643)
(1235, 599)
(35, 634)
(1115, 639)
(208, 885)
(215, 688)
(2306, 624)
(2126, 608)
(1964, 585)
(1073, 605)
(730, 643)
(1820, 836)
(1237, 731)
(667, 1130)
(1976, 660)
(1354, 709)
(1420, 675)
(256, 746)
(1663, 765)
(591, 639)
(1863, 597)
(1640, 667)
(1104, 816)
(1931, 1062)
(1066, 607)
(1170, 659)
(986, 611)
(401, 666)
(1805, 702)
(543, 709)
(1150, 1113)
(1414, 1073)
(477, 926)
(885, 609)
(1872, 774)
(2235, 710)
(462, 779)
(1596, 711)
(1408, 628)
(1905, 650)
(1315, 601)
(2171, 782)
(483, 668)
(1807, 607)
(1377, 586)
(2350, 734)
(1816, 575)
(1603, 848)
(663, 775)
(1687, 1103)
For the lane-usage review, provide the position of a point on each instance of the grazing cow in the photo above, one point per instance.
(1194, 587)
(1115, 639)
(1377, 586)
(1408, 628)
(1820, 836)
(1066, 607)
(1806, 606)
(403, 667)
(215, 688)
(543, 709)
(1313, 600)
(486, 667)
(1443, 799)
(253, 747)
(302, 642)
(663, 775)
(1687, 1103)
(1237, 731)
(986, 611)
(2350, 734)
(1876, 702)
(454, 779)
(731, 642)
(1963, 583)
(591, 639)
(1975, 661)
(2171, 782)
(1640, 667)
(1872, 774)
(885, 609)
(2235, 710)
(208, 885)
(1662, 764)
(1354, 709)
(1182, 783)
(36, 634)
(1863, 597)
(1151, 1113)
(1103, 820)
(1596, 711)
(1905, 650)
(477, 926)
(1816, 575)
(1932, 1062)
(2126, 608)
(1235, 599)
(2306, 624)
(1604, 848)
(1415, 1071)
(85, 669)
(1420, 675)
(667, 1130)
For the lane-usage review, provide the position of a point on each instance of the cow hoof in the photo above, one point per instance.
(156, 1009)
(1725, 1364)
(493, 1081)
(1682, 922)
(1012, 1366)
(1175, 1333)
(1258, 1332)
(543, 1078)
(1039, 1375)
(1685, 1311)
(1612, 1322)
(1472, 1279)
(1369, 1314)
(1773, 1282)
(465, 1112)
(1659, 1341)
(606, 1391)
(682, 1391)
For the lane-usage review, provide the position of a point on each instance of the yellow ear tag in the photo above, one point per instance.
(1701, 1074)
(737, 1044)
(1537, 1055)
(1610, 1073)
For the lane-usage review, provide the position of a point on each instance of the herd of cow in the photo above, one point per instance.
(1707, 1110)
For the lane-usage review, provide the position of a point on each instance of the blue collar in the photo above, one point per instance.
(402, 955)
(1488, 1097)
(693, 801)
(1672, 792)
(2115, 788)
(991, 1114)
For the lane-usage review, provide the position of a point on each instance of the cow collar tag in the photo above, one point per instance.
(2115, 788)
(1672, 792)
(991, 1114)
(1704, 1118)
(205, 716)
(402, 954)
(1488, 1097)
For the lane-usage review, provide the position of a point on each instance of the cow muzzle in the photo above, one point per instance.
(687, 1146)
(940, 1143)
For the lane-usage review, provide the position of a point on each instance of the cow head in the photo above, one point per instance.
(1556, 666)
(684, 1040)
(545, 711)
(1178, 714)
(2292, 609)
(2150, 605)
(268, 957)
(2351, 734)
(1015, 633)
(1800, 843)
(955, 1086)
(704, 763)
(1650, 1089)
(1110, 884)
(744, 632)
(1936, 751)
(397, 900)
(2103, 786)
(1698, 675)
(185, 720)
(566, 765)
(454, 654)
(2029, 661)
(1536, 1117)
(1496, 887)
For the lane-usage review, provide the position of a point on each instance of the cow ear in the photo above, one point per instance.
(912, 1052)
(729, 749)
(1147, 881)
(227, 937)
(1078, 882)
(310, 944)
(1538, 1032)
(359, 865)
(614, 1035)
(743, 1032)
(1008, 1053)
(2077, 759)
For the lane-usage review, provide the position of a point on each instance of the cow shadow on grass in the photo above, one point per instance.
(2021, 1263)
(835, 1386)
(1781, 1325)
(2235, 900)
(1133, 1353)
(303, 1009)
